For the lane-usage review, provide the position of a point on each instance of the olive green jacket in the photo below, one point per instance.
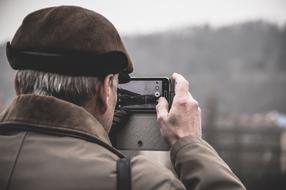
(65, 147)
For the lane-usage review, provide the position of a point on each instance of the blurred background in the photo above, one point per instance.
(232, 52)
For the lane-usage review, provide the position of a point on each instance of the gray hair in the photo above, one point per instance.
(75, 89)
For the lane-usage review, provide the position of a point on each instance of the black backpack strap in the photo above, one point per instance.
(123, 174)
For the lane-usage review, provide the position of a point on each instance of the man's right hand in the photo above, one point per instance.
(184, 117)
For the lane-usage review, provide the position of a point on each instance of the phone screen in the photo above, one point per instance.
(141, 93)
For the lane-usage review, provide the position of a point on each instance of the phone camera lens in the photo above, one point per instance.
(140, 143)
(157, 94)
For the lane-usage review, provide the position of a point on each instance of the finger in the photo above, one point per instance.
(162, 109)
(181, 85)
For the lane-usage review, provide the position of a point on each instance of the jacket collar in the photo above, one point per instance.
(48, 111)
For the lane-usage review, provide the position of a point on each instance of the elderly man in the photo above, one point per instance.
(54, 135)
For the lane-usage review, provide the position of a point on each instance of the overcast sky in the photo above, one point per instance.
(145, 16)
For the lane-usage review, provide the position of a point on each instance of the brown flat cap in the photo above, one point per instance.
(69, 40)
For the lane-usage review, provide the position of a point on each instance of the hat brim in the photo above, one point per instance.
(71, 63)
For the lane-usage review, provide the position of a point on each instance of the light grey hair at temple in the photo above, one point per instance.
(74, 89)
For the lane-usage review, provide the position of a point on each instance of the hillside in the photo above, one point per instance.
(242, 67)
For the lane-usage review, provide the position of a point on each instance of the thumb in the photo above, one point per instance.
(162, 109)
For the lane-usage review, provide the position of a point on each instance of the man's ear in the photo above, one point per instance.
(16, 86)
(104, 92)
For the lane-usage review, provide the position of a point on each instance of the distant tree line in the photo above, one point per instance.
(243, 65)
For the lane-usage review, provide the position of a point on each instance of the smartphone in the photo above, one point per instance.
(139, 98)
(141, 94)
